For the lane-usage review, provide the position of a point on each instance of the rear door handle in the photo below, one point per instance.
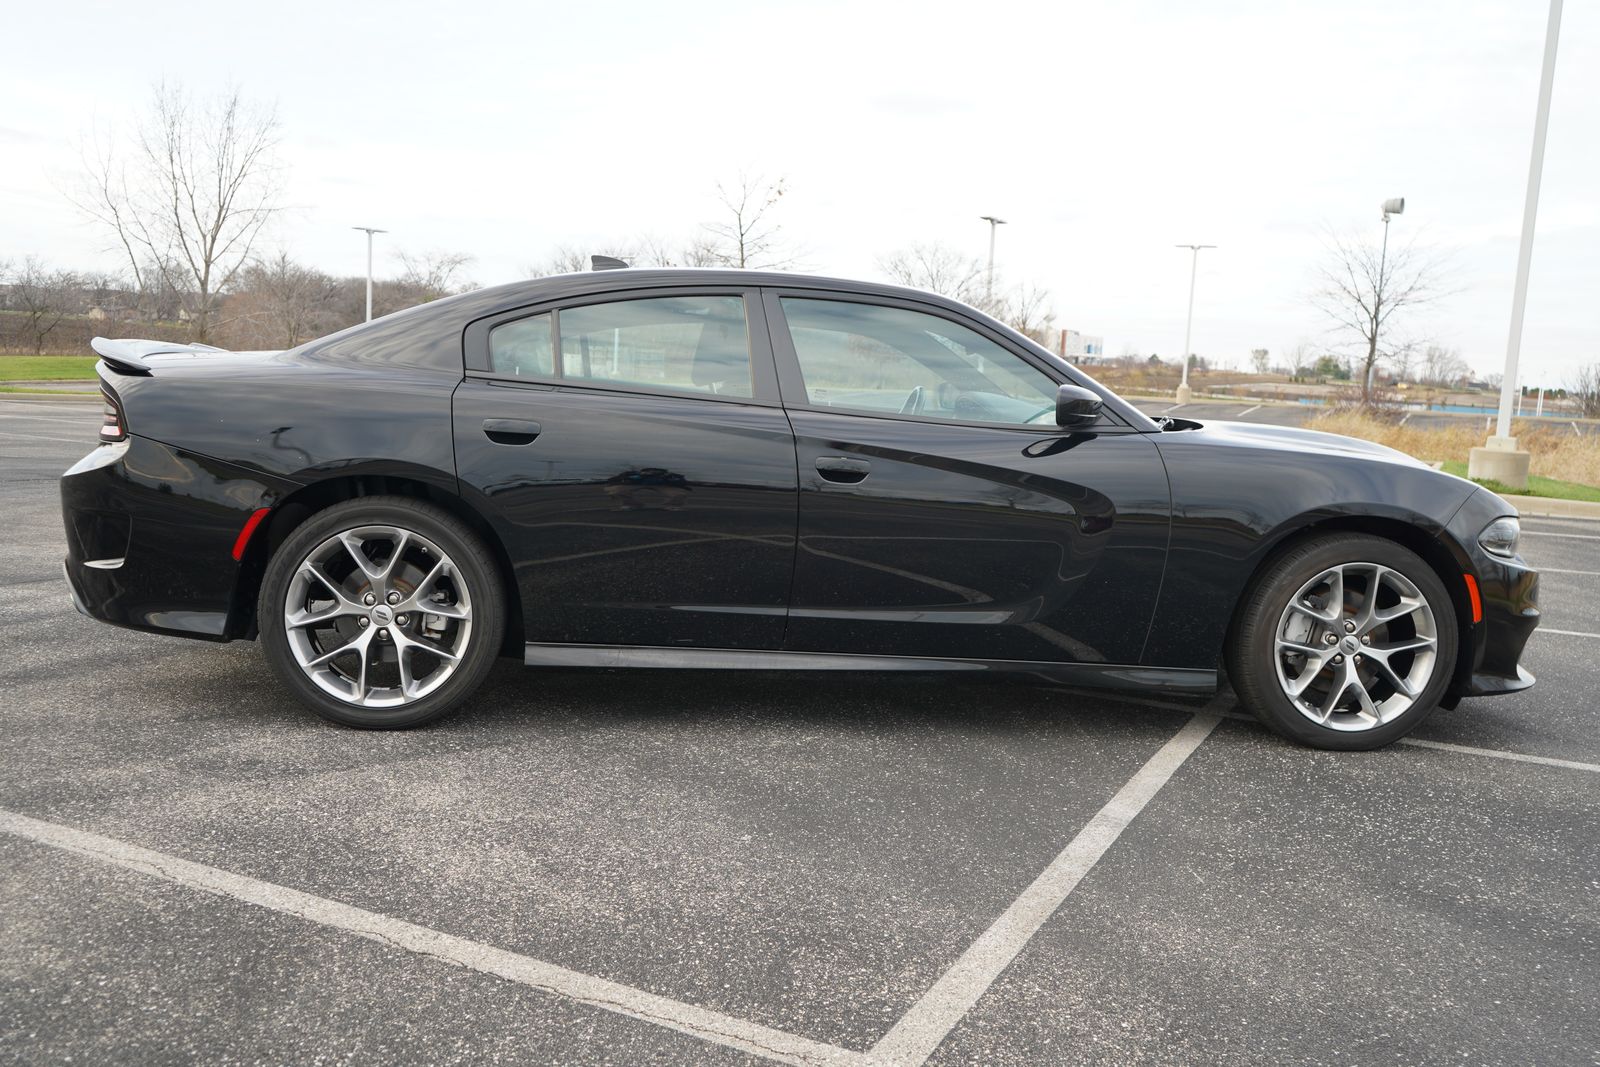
(842, 470)
(511, 431)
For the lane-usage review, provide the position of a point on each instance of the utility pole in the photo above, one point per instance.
(369, 231)
(1500, 459)
(988, 287)
(1184, 393)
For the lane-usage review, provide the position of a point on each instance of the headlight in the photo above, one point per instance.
(1500, 537)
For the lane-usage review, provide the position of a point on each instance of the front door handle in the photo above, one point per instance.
(511, 431)
(842, 470)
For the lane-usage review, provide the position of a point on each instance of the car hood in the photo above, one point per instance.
(1291, 439)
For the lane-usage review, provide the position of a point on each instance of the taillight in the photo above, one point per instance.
(112, 425)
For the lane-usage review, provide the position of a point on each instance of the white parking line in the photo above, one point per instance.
(610, 996)
(47, 437)
(921, 1030)
(1548, 761)
(1247, 411)
(1564, 633)
(9, 415)
(1552, 533)
(1558, 570)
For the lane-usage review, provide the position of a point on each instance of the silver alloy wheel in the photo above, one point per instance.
(1356, 646)
(377, 616)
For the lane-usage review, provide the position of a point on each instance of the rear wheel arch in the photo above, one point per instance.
(293, 510)
(1447, 560)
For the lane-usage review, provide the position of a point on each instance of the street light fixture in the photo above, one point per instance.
(1184, 392)
(988, 288)
(1500, 459)
(369, 231)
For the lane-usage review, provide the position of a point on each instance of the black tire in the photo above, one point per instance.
(1251, 653)
(471, 560)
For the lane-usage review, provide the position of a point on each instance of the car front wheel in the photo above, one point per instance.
(1346, 642)
(382, 612)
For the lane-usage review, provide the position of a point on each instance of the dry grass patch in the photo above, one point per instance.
(1556, 453)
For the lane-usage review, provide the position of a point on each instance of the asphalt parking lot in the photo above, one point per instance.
(662, 867)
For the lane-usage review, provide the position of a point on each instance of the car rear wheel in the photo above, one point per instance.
(382, 612)
(1346, 642)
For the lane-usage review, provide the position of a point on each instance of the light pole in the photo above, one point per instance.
(1397, 206)
(1500, 459)
(369, 231)
(1184, 393)
(988, 287)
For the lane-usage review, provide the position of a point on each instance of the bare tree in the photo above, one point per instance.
(1260, 360)
(188, 193)
(1026, 309)
(1300, 358)
(747, 237)
(431, 275)
(279, 303)
(1362, 288)
(44, 297)
(1442, 366)
(1585, 389)
(937, 268)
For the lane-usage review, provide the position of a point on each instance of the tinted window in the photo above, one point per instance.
(523, 348)
(864, 357)
(693, 343)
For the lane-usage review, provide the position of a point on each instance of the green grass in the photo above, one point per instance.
(1553, 488)
(46, 368)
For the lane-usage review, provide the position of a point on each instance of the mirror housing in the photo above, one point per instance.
(1076, 407)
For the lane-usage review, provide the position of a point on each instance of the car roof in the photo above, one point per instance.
(556, 286)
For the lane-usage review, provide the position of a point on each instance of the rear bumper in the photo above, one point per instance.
(150, 534)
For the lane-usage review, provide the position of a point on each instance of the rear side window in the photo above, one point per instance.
(695, 344)
(523, 348)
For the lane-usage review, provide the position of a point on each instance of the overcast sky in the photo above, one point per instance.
(1104, 133)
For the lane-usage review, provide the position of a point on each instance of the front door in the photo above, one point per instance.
(637, 466)
(942, 511)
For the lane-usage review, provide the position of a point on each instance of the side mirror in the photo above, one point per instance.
(1076, 407)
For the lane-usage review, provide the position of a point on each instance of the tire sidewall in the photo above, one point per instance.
(454, 539)
(1256, 655)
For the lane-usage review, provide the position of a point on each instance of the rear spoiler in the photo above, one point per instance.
(129, 355)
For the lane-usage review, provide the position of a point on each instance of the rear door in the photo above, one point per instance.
(942, 511)
(632, 453)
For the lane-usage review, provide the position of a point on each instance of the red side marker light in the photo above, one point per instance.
(258, 514)
(1472, 595)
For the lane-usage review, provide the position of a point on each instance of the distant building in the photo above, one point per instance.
(1080, 347)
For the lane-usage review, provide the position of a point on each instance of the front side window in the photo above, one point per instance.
(695, 344)
(887, 360)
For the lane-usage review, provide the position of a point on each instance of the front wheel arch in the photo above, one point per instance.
(1447, 561)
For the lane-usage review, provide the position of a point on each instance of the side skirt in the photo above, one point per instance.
(1096, 675)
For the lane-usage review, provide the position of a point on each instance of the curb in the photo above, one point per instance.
(1544, 507)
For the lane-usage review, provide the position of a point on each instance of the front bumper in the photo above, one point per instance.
(1508, 589)
(150, 533)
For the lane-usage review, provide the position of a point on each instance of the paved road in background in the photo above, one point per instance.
(769, 865)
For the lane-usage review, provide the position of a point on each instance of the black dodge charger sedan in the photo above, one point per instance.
(672, 468)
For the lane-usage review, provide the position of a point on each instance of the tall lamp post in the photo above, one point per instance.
(1397, 206)
(1500, 459)
(1184, 393)
(988, 286)
(369, 231)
